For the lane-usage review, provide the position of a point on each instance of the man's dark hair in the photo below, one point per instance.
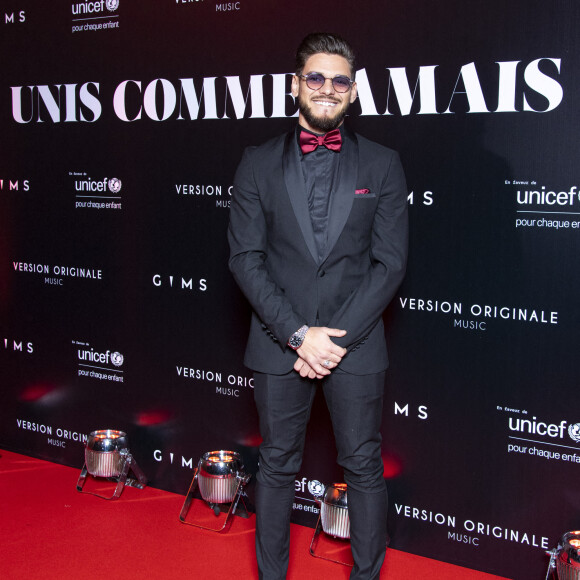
(327, 43)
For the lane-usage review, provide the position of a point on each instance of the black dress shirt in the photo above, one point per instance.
(320, 170)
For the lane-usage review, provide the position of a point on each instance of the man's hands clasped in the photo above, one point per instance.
(318, 355)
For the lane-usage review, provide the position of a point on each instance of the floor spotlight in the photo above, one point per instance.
(566, 557)
(333, 521)
(107, 456)
(220, 479)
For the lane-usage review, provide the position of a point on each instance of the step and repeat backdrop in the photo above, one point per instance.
(122, 124)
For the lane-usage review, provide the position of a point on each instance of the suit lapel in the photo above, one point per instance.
(297, 191)
(343, 194)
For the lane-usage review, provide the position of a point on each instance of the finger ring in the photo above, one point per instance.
(326, 363)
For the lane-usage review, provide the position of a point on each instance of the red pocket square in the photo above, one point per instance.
(362, 191)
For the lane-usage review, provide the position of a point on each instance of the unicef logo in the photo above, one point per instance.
(112, 5)
(574, 432)
(316, 488)
(115, 185)
(117, 359)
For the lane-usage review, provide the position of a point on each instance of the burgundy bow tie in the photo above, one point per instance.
(331, 140)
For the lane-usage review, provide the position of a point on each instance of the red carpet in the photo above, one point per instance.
(49, 530)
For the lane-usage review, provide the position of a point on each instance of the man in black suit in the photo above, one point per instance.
(318, 240)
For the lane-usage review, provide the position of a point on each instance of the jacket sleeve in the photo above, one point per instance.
(247, 236)
(363, 308)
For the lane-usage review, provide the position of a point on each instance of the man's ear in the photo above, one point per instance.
(353, 93)
(295, 85)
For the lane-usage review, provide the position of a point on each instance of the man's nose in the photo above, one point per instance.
(327, 88)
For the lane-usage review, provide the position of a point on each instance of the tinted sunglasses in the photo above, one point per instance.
(315, 81)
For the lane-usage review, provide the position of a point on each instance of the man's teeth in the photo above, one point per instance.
(326, 103)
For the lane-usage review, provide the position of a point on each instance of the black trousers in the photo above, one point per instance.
(355, 404)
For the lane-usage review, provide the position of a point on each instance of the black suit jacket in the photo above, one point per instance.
(274, 258)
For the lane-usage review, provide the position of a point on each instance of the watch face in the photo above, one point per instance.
(296, 340)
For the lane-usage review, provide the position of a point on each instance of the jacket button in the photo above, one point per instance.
(322, 274)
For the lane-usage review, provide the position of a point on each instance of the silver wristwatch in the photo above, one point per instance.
(296, 340)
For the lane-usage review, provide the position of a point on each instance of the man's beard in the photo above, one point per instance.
(323, 123)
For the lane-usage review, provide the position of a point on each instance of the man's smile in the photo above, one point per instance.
(325, 102)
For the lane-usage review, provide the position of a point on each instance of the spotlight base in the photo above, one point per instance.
(338, 542)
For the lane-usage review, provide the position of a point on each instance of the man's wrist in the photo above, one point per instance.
(296, 340)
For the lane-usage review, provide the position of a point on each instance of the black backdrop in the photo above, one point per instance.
(122, 125)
